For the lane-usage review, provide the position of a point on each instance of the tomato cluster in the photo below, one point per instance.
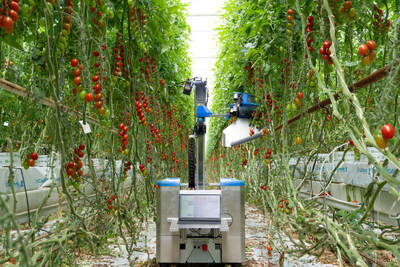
(285, 69)
(11, 260)
(139, 108)
(244, 159)
(148, 67)
(309, 29)
(119, 61)
(110, 207)
(124, 137)
(285, 207)
(290, 24)
(74, 168)
(267, 157)
(387, 133)
(96, 9)
(66, 32)
(348, 11)
(367, 52)
(250, 72)
(142, 169)
(30, 161)
(378, 19)
(138, 25)
(127, 167)
(9, 15)
(311, 78)
(326, 52)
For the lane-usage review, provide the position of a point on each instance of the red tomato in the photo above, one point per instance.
(89, 97)
(363, 49)
(70, 164)
(98, 104)
(97, 88)
(290, 12)
(98, 97)
(79, 164)
(8, 23)
(300, 95)
(14, 6)
(95, 78)
(70, 172)
(34, 156)
(74, 62)
(387, 131)
(77, 80)
(371, 45)
(121, 126)
(82, 147)
(327, 44)
(77, 72)
(269, 247)
(351, 142)
(31, 162)
(13, 14)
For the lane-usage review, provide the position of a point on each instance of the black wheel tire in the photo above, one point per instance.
(236, 265)
(164, 265)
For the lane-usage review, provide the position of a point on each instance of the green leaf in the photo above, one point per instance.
(39, 95)
(12, 41)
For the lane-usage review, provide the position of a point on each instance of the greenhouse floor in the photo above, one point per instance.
(256, 252)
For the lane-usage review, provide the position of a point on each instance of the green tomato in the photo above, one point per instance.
(76, 185)
(26, 10)
(82, 95)
(63, 40)
(108, 11)
(42, 21)
(107, 113)
(352, 12)
(26, 166)
(31, 3)
(69, 182)
(293, 106)
(61, 46)
(64, 32)
(50, 7)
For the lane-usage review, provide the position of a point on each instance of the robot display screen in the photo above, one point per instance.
(199, 207)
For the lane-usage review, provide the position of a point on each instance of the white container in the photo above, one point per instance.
(378, 156)
(5, 159)
(337, 156)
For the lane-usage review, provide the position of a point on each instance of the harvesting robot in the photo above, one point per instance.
(195, 225)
